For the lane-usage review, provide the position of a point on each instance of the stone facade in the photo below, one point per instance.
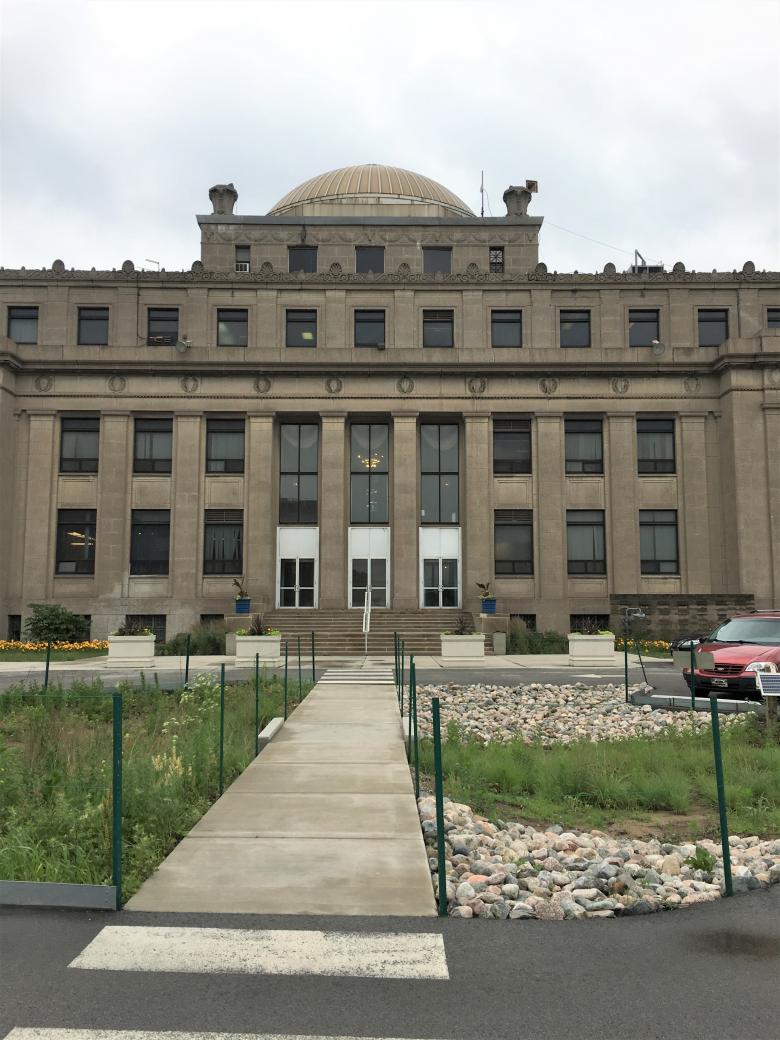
(724, 400)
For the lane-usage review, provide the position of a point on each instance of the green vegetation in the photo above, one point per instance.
(663, 786)
(52, 621)
(55, 773)
(56, 655)
(521, 641)
(204, 639)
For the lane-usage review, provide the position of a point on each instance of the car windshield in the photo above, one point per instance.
(765, 631)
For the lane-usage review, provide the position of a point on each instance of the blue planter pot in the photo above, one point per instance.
(243, 606)
(489, 605)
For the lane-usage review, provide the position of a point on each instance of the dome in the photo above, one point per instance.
(374, 186)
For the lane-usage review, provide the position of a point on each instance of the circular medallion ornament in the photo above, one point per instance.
(335, 269)
(692, 385)
(404, 270)
(619, 384)
(58, 267)
(476, 385)
(472, 270)
(548, 385)
(405, 385)
(116, 384)
(334, 385)
(262, 384)
(189, 384)
(44, 383)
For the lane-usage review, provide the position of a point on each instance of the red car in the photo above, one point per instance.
(741, 646)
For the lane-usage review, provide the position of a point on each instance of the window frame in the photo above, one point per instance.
(441, 475)
(564, 316)
(292, 317)
(68, 522)
(365, 321)
(360, 269)
(376, 476)
(702, 321)
(645, 523)
(519, 518)
(242, 263)
(82, 317)
(583, 472)
(11, 317)
(70, 424)
(647, 466)
(496, 266)
(302, 251)
(497, 319)
(161, 338)
(513, 427)
(432, 252)
(226, 322)
(773, 317)
(595, 567)
(640, 323)
(429, 321)
(146, 566)
(231, 425)
(151, 621)
(298, 473)
(160, 466)
(223, 519)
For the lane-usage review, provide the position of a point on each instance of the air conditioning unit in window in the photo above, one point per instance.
(242, 265)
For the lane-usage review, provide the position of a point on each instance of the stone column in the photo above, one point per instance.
(406, 512)
(622, 519)
(693, 519)
(40, 511)
(186, 513)
(476, 509)
(551, 517)
(261, 513)
(333, 513)
(112, 548)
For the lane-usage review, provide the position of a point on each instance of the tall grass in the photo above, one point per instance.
(55, 773)
(602, 784)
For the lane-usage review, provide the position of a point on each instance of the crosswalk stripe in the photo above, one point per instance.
(27, 1033)
(381, 955)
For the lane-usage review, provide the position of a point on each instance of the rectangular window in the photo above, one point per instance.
(438, 328)
(506, 328)
(589, 624)
(232, 327)
(643, 328)
(713, 326)
(772, 318)
(163, 326)
(575, 328)
(513, 538)
(79, 443)
(584, 446)
(243, 258)
(370, 259)
(302, 259)
(658, 541)
(369, 466)
(75, 541)
(225, 445)
(222, 541)
(369, 328)
(93, 326)
(152, 446)
(655, 445)
(298, 473)
(149, 541)
(211, 619)
(439, 465)
(15, 627)
(496, 259)
(437, 260)
(301, 329)
(511, 446)
(154, 622)
(23, 324)
(585, 541)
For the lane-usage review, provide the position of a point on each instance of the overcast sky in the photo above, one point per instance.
(654, 127)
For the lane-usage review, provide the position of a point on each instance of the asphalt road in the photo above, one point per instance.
(708, 973)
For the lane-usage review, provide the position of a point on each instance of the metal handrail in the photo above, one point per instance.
(366, 619)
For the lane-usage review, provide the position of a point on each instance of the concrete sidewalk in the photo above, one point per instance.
(324, 821)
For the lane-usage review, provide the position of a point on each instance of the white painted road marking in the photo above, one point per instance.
(378, 955)
(144, 1034)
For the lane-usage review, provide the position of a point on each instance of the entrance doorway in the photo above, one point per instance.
(297, 566)
(440, 583)
(296, 583)
(369, 565)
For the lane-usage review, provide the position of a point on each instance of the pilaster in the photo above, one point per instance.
(476, 509)
(405, 511)
(261, 511)
(333, 514)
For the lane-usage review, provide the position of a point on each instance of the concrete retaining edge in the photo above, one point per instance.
(57, 894)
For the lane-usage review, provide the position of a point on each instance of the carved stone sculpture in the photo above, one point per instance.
(223, 198)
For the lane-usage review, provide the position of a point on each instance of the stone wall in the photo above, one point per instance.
(673, 616)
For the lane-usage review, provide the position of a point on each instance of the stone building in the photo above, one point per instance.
(372, 386)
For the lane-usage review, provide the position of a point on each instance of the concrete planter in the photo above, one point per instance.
(268, 647)
(595, 651)
(131, 649)
(463, 646)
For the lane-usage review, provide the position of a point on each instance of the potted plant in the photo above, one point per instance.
(591, 646)
(243, 602)
(131, 643)
(257, 640)
(488, 601)
(462, 642)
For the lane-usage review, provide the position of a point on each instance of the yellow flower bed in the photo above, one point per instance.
(646, 645)
(25, 646)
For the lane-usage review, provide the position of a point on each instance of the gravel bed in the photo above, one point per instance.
(508, 871)
(550, 714)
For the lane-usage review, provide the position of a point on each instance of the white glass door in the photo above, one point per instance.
(369, 565)
(296, 583)
(440, 583)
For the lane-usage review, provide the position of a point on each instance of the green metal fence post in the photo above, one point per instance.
(409, 709)
(313, 670)
(286, 663)
(257, 705)
(693, 677)
(724, 823)
(187, 661)
(116, 799)
(395, 661)
(416, 738)
(48, 662)
(625, 657)
(403, 672)
(300, 684)
(441, 870)
(221, 728)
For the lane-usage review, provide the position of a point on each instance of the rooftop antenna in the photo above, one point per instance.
(482, 194)
(146, 258)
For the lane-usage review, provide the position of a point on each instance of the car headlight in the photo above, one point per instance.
(761, 666)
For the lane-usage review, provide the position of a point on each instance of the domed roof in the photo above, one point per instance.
(369, 183)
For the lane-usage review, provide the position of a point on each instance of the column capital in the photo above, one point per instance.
(478, 417)
(333, 417)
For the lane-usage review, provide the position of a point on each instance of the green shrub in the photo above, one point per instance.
(521, 641)
(204, 639)
(55, 622)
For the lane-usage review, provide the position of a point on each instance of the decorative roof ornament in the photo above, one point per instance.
(518, 198)
(223, 198)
